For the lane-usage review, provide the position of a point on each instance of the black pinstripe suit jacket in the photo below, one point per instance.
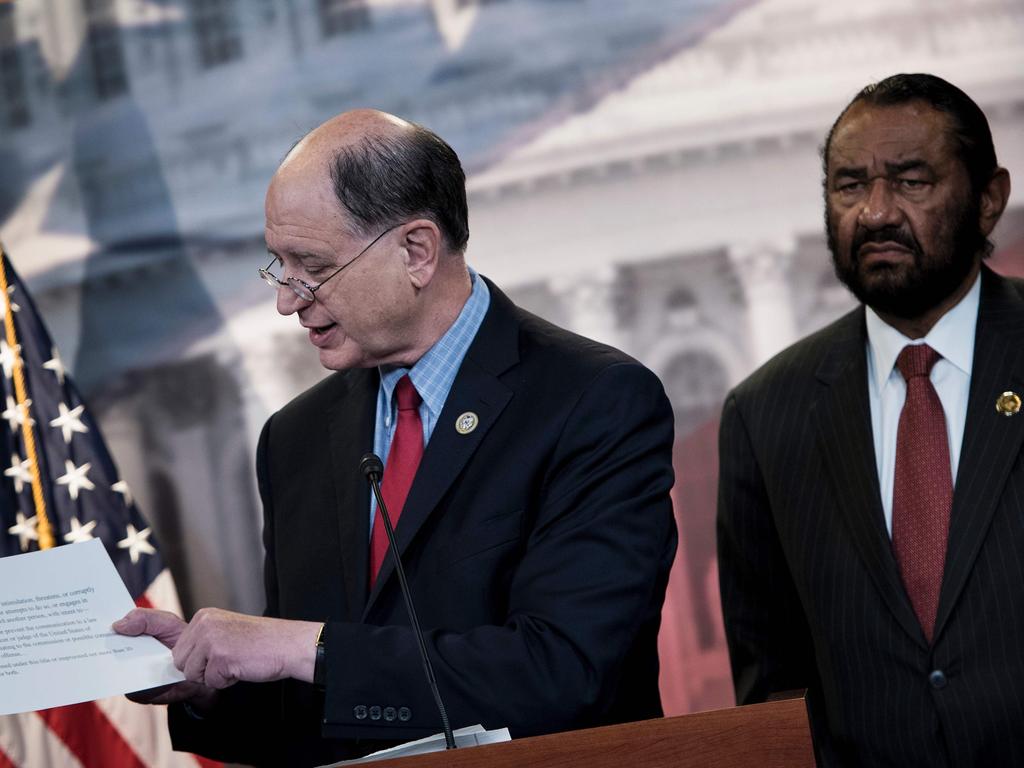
(810, 589)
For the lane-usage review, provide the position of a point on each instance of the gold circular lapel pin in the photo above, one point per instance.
(1008, 404)
(468, 421)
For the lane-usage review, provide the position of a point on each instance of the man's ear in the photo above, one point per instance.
(422, 241)
(993, 200)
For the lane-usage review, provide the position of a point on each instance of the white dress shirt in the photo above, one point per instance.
(953, 338)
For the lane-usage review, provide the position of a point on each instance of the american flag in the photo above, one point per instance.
(60, 486)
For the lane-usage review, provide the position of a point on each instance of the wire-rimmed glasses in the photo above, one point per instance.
(304, 290)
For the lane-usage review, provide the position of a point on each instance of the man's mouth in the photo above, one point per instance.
(319, 335)
(877, 254)
(885, 247)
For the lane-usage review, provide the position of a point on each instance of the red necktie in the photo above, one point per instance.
(923, 487)
(403, 459)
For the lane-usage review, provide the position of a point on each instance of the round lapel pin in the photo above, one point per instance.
(1008, 404)
(466, 423)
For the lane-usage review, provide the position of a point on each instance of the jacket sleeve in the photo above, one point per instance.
(770, 647)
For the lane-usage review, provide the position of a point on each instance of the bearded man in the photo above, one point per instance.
(871, 499)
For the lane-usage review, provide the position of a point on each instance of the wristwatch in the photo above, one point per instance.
(320, 665)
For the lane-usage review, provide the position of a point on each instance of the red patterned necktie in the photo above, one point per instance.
(923, 487)
(403, 459)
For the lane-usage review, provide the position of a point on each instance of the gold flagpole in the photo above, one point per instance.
(43, 527)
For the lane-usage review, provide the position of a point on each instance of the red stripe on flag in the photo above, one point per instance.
(91, 737)
(5, 761)
(143, 602)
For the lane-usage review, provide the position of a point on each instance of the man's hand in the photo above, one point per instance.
(167, 628)
(163, 625)
(218, 648)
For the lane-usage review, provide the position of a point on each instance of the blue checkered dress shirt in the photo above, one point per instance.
(432, 375)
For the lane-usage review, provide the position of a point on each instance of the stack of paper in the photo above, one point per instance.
(473, 736)
(56, 644)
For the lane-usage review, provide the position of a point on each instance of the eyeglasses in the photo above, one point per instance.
(304, 290)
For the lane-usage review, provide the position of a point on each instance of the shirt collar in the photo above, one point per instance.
(952, 337)
(434, 373)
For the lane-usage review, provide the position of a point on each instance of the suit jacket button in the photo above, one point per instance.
(359, 712)
(938, 679)
(390, 714)
(404, 714)
(375, 712)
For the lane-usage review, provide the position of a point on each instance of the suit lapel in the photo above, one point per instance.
(842, 415)
(477, 389)
(991, 442)
(350, 423)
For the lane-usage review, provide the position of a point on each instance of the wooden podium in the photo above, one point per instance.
(773, 735)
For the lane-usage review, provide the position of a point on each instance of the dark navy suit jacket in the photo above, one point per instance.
(537, 548)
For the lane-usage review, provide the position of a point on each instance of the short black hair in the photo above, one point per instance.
(970, 127)
(381, 180)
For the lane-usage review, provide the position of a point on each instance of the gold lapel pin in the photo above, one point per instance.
(468, 421)
(1008, 404)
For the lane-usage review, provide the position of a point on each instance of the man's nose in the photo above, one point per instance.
(288, 301)
(880, 207)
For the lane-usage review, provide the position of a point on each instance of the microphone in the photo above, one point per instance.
(371, 466)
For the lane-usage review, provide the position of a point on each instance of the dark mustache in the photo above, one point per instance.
(885, 235)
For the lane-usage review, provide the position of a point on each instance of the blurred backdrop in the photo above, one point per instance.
(645, 173)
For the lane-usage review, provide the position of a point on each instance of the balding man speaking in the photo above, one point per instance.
(528, 470)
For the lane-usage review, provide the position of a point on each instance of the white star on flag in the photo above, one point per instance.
(25, 530)
(15, 414)
(7, 300)
(135, 542)
(79, 532)
(122, 487)
(9, 357)
(75, 478)
(69, 421)
(12, 414)
(56, 365)
(19, 470)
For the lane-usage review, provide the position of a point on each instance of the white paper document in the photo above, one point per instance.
(471, 736)
(56, 644)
